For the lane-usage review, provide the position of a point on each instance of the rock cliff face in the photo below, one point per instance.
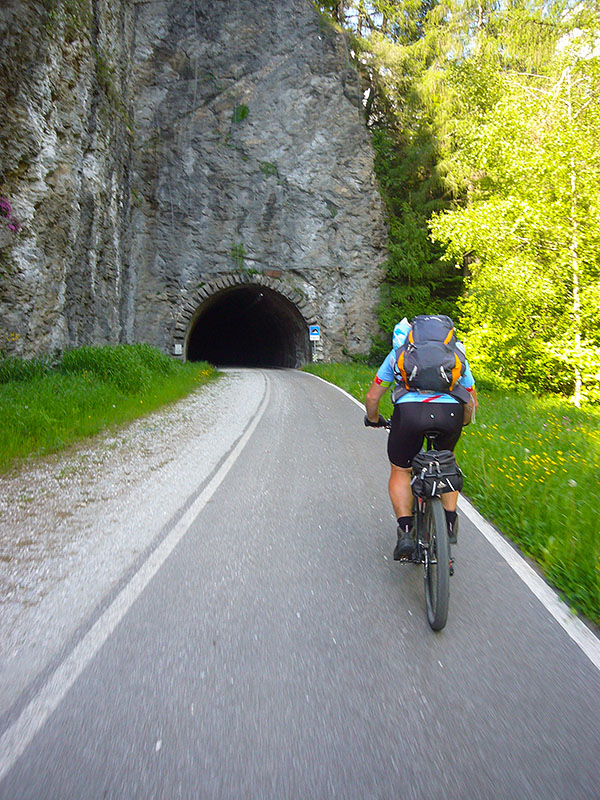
(65, 136)
(178, 169)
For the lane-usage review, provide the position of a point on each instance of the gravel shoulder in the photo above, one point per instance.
(73, 524)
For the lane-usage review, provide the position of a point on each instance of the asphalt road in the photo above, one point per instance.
(276, 651)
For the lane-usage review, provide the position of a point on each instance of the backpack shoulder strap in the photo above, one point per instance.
(399, 370)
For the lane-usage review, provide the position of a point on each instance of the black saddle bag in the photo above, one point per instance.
(435, 472)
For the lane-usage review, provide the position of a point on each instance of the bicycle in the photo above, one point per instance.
(432, 544)
(434, 472)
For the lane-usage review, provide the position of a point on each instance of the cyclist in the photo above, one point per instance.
(414, 413)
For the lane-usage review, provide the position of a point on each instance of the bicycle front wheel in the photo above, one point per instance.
(437, 564)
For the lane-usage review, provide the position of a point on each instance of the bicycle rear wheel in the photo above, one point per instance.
(437, 564)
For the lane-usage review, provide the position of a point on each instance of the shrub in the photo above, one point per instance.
(19, 369)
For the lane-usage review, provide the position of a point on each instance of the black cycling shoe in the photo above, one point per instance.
(405, 547)
(453, 532)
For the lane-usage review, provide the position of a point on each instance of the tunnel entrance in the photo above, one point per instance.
(251, 326)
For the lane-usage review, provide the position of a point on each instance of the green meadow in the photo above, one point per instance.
(46, 405)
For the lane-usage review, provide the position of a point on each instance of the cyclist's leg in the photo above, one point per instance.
(450, 501)
(404, 443)
(450, 504)
(406, 434)
(447, 418)
(400, 491)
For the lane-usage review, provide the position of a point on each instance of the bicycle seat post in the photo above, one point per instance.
(430, 437)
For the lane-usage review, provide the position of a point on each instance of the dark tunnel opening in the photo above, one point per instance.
(249, 326)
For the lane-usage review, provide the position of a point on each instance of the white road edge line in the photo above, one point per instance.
(583, 637)
(18, 736)
(577, 630)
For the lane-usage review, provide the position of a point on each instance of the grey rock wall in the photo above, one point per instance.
(151, 148)
(253, 156)
(65, 137)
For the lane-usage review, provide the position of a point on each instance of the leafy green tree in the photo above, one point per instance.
(528, 223)
(406, 52)
(401, 113)
(485, 122)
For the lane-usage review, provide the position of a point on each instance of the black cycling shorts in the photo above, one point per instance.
(411, 420)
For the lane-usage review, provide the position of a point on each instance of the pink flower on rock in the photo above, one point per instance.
(6, 212)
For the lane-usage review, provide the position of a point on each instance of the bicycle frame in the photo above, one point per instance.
(418, 518)
(432, 549)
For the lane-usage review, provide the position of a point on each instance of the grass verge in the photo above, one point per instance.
(531, 466)
(46, 406)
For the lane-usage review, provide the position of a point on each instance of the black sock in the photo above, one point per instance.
(450, 518)
(405, 523)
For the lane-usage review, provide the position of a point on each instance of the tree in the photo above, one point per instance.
(530, 218)
(406, 52)
(401, 112)
(485, 122)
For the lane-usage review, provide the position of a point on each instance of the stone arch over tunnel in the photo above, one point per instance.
(246, 323)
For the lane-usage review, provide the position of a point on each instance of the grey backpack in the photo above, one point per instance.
(430, 359)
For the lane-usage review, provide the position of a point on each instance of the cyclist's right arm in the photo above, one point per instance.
(372, 401)
(381, 383)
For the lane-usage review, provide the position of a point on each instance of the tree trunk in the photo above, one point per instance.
(339, 12)
(574, 255)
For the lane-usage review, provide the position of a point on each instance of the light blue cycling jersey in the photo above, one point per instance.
(386, 376)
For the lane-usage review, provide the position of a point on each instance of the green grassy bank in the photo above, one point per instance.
(45, 405)
(532, 467)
